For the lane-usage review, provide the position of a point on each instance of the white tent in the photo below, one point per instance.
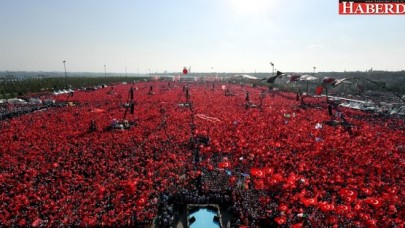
(246, 76)
(307, 77)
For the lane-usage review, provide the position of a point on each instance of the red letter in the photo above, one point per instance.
(370, 8)
(345, 7)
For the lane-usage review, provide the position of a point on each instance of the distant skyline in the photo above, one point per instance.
(208, 35)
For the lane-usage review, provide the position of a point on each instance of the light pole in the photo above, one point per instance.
(272, 64)
(150, 76)
(126, 72)
(105, 71)
(313, 74)
(64, 64)
(214, 75)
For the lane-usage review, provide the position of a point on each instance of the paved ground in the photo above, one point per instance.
(224, 215)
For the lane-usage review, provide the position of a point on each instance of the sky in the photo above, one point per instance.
(206, 35)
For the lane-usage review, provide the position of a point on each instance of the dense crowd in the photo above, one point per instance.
(279, 164)
(7, 112)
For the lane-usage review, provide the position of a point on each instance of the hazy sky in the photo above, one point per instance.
(208, 35)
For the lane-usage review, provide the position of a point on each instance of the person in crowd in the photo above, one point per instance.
(330, 109)
(126, 124)
(93, 126)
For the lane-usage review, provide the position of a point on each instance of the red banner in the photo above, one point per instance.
(370, 8)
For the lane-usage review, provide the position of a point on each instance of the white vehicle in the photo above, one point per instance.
(400, 111)
(48, 102)
(345, 105)
(369, 107)
(16, 101)
(356, 105)
(35, 101)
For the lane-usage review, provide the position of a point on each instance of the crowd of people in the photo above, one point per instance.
(8, 111)
(280, 164)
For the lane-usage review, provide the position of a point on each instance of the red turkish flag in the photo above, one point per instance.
(308, 201)
(257, 172)
(319, 90)
(373, 201)
(224, 165)
(326, 207)
(185, 71)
